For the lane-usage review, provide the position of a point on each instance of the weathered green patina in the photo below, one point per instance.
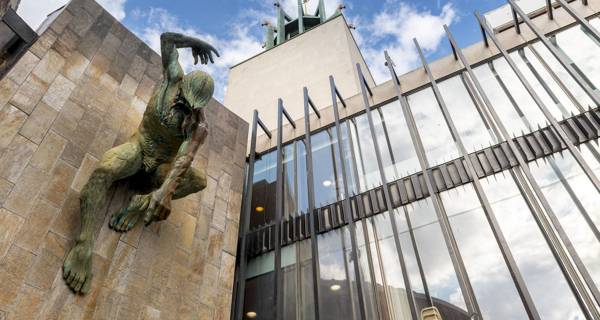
(158, 155)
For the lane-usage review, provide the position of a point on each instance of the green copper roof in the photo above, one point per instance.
(288, 28)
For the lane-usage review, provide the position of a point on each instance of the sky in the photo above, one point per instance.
(234, 26)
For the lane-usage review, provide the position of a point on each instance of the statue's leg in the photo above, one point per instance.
(192, 182)
(117, 163)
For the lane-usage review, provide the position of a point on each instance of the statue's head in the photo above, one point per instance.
(197, 88)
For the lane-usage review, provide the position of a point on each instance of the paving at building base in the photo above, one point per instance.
(78, 91)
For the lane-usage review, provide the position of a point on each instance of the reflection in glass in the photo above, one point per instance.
(297, 281)
(543, 85)
(571, 195)
(337, 292)
(364, 151)
(437, 265)
(405, 161)
(546, 283)
(437, 141)
(485, 266)
(260, 284)
(464, 113)
(582, 51)
(391, 288)
(263, 190)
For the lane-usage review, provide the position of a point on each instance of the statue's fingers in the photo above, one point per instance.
(195, 59)
(78, 283)
(211, 57)
(66, 271)
(72, 276)
(215, 51)
(204, 60)
(87, 284)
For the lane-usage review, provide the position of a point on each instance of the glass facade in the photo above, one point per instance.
(441, 249)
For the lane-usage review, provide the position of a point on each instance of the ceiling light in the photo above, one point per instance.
(335, 287)
(251, 314)
(260, 209)
(327, 183)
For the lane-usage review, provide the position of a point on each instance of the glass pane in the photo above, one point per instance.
(263, 190)
(297, 281)
(260, 281)
(437, 141)
(437, 265)
(302, 180)
(467, 119)
(582, 51)
(390, 282)
(483, 261)
(509, 98)
(543, 85)
(544, 279)
(365, 262)
(561, 73)
(337, 288)
(290, 200)
(326, 173)
(571, 194)
(405, 157)
(364, 151)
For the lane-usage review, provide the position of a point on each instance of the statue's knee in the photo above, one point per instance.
(199, 181)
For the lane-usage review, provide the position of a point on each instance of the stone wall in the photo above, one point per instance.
(78, 91)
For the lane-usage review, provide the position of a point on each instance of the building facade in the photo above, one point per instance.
(469, 185)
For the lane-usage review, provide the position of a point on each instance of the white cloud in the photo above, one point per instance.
(239, 45)
(115, 7)
(393, 29)
(34, 12)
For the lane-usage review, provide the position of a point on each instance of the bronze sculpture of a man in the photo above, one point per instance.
(160, 154)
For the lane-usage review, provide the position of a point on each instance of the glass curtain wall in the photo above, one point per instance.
(429, 264)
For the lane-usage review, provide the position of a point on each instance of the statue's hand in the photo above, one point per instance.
(204, 51)
(159, 207)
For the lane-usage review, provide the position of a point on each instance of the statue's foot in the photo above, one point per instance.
(77, 268)
(126, 218)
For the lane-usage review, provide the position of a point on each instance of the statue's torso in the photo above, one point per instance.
(160, 138)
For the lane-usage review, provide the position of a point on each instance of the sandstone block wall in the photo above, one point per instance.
(78, 91)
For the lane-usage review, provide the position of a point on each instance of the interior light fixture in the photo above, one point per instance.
(260, 209)
(335, 287)
(327, 183)
(251, 314)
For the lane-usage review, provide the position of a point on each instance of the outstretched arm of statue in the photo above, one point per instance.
(160, 202)
(171, 41)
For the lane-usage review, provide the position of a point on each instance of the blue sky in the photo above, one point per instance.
(234, 26)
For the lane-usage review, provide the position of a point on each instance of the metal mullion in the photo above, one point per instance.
(413, 240)
(278, 213)
(549, 8)
(557, 54)
(559, 130)
(570, 273)
(241, 285)
(386, 193)
(279, 209)
(483, 199)
(581, 20)
(459, 268)
(565, 89)
(346, 204)
(311, 205)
